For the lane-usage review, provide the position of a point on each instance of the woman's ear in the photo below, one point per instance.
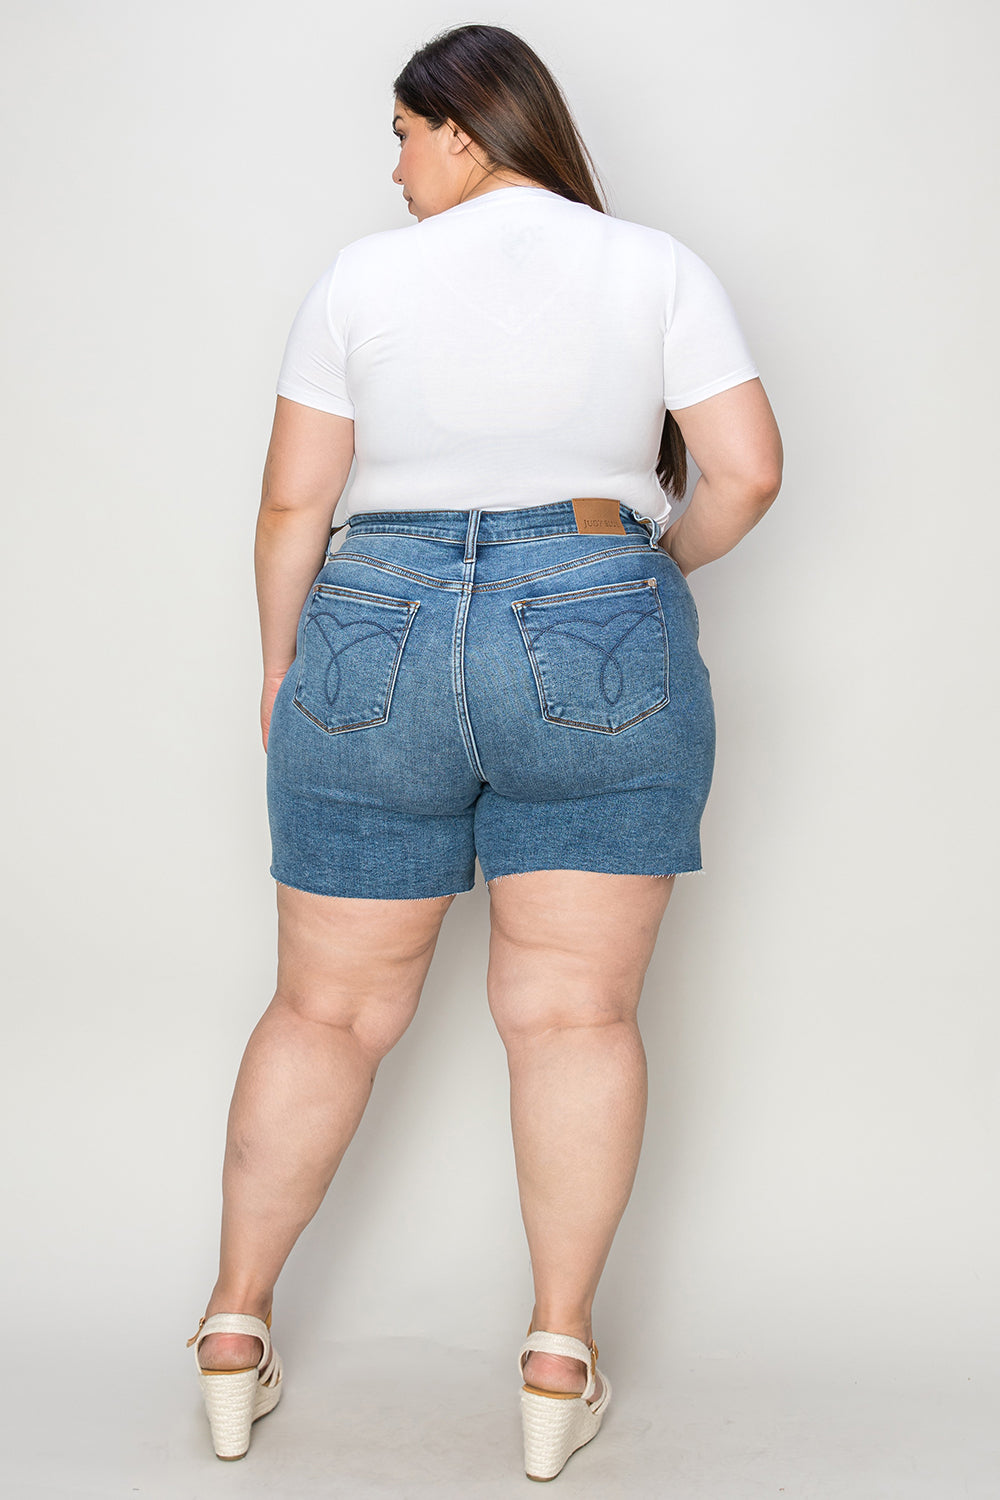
(458, 139)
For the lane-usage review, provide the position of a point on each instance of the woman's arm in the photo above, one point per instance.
(306, 469)
(734, 440)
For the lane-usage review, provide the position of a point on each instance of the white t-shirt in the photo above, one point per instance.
(517, 349)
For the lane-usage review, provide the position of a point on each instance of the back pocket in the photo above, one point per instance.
(600, 656)
(352, 643)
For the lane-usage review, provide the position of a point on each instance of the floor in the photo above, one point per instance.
(405, 1418)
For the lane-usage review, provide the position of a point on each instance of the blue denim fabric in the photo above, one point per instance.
(492, 684)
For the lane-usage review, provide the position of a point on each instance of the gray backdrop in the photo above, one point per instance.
(815, 1215)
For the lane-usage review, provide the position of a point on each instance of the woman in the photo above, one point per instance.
(500, 660)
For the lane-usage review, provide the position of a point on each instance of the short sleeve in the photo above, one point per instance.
(314, 367)
(704, 350)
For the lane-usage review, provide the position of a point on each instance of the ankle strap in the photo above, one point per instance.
(561, 1343)
(232, 1323)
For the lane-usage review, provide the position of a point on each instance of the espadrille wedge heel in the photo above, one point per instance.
(234, 1399)
(556, 1423)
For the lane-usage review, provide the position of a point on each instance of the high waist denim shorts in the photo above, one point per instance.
(494, 684)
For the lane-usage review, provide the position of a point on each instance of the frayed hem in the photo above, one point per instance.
(639, 874)
(353, 896)
(429, 898)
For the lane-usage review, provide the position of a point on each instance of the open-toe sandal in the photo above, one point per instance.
(234, 1399)
(556, 1423)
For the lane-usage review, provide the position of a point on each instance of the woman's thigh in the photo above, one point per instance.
(570, 947)
(356, 963)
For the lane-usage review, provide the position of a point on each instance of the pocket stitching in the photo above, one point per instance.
(410, 606)
(519, 606)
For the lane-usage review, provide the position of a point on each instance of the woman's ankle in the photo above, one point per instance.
(256, 1304)
(551, 1320)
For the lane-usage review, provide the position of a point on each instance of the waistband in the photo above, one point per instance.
(524, 523)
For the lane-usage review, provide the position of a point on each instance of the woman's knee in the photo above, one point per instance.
(528, 1019)
(374, 1019)
(533, 993)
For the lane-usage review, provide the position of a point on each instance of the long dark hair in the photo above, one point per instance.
(498, 90)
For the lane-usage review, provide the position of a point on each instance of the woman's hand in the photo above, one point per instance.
(267, 697)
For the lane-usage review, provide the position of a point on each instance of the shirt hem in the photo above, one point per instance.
(714, 387)
(335, 405)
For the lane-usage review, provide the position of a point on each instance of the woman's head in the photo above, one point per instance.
(477, 107)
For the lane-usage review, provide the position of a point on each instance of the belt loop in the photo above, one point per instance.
(471, 535)
(655, 527)
(333, 533)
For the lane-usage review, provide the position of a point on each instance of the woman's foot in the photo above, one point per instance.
(556, 1372)
(232, 1351)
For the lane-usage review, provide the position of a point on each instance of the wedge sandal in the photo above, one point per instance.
(556, 1423)
(234, 1399)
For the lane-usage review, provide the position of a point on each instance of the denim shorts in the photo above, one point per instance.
(489, 683)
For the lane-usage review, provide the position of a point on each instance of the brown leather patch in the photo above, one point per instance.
(598, 517)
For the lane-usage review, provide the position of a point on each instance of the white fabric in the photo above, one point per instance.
(514, 350)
